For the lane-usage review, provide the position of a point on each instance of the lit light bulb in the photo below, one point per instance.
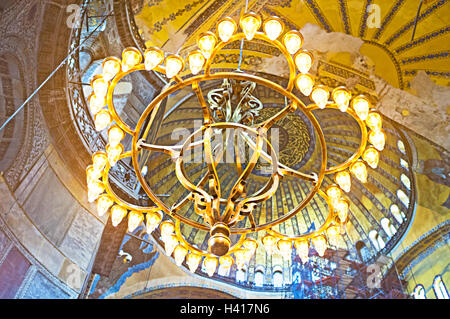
(334, 192)
(359, 169)
(377, 139)
(170, 242)
(285, 247)
(111, 66)
(374, 121)
(174, 64)
(99, 85)
(206, 43)
(226, 28)
(371, 156)
(152, 221)
(179, 254)
(226, 261)
(341, 208)
(167, 228)
(341, 97)
(304, 83)
(104, 202)
(269, 243)
(273, 27)
(196, 61)
(320, 244)
(303, 60)
(250, 244)
(293, 41)
(320, 96)
(117, 214)
(361, 106)
(250, 23)
(333, 233)
(302, 248)
(210, 265)
(99, 160)
(115, 135)
(193, 260)
(130, 58)
(96, 103)
(92, 174)
(114, 154)
(95, 188)
(134, 220)
(240, 256)
(344, 181)
(102, 119)
(153, 57)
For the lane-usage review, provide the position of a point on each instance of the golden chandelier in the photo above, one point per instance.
(220, 215)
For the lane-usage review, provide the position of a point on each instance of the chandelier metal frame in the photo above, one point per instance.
(206, 195)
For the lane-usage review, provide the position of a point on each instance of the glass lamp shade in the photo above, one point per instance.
(305, 83)
(102, 119)
(285, 248)
(134, 220)
(344, 180)
(95, 188)
(152, 58)
(206, 43)
(193, 261)
(99, 85)
(99, 160)
(152, 221)
(167, 228)
(341, 208)
(320, 95)
(115, 135)
(250, 244)
(341, 96)
(179, 254)
(96, 103)
(333, 233)
(250, 24)
(302, 248)
(361, 106)
(334, 192)
(130, 58)
(269, 243)
(226, 261)
(359, 169)
(377, 139)
(114, 154)
(196, 61)
(210, 265)
(374, 121)
(174, 65)
(111, 66)
(240, 256)
(273, 27)
(104, 202)
(303, 60)
(320, 244)
(371, 156)
(293, 41)
(92, 174)
(117, 214)
(226, 28)
(170, 242)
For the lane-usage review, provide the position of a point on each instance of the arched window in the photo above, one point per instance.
(259, 276)
(404, 163)
(388, 227)
(403, 197)
(278, 277)
(401, 147)
(439, 288)
(405, 180)
(223, 271)
(376, 239)
(241, 275)
(419, 292)
(398, 215)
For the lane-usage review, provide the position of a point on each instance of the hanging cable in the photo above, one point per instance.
(53, 73)
(242, 41)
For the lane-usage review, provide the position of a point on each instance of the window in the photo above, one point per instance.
(278, 277)
(376, 239)
(223, 271)
(241, 275)
(259, 276)
(388, 227)
(405, 180)
(419, 292)
(439, 288)
(401, 147)
(403, 197)
(398, 215)
(404, 163)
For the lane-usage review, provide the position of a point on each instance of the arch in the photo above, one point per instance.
(259, 276)
(277, 276)
(376, 239)
(398, 215)
(388, 227)
(419, 292)
(439, 288)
